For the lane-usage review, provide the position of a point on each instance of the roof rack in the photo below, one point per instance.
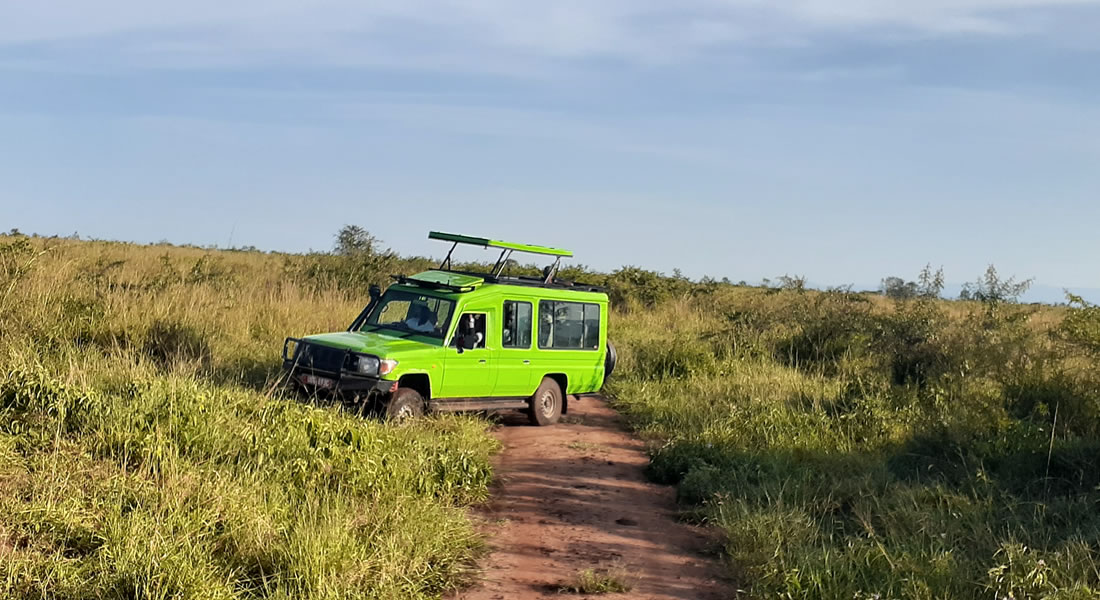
(507, 248)
(468, 281)
(536, 282)
(431, 280)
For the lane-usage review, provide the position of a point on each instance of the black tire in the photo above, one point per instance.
(609, 360)
(544, 408)
(404, 404)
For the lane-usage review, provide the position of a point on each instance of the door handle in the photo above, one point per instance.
(482, 361)
(526, 362)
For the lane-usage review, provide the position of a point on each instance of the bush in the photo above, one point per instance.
(992, 289)
(1081, 327)
(647, 288)
(911, 340)
(833, 329)
(134, 464)
(169, 342)
(878, 448)
(662, 359)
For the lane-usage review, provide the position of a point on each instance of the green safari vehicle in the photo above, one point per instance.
(449, 340)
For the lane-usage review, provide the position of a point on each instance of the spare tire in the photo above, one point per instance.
(609, 360)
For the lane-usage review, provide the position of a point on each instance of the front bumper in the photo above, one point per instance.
(329, 377)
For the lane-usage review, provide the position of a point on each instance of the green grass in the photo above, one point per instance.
(848, 446)
(832, 481)
(596, 581)
(142, 456)
(588, 447)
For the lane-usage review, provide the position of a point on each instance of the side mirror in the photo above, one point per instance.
(460, 343)
(375, 292)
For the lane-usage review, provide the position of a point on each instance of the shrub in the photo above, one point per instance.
(992, 289)
(1081, 327)
(647, 288)
(911, 341)
(832, 329)
(878, 448)
(169, 342)
(660, 359)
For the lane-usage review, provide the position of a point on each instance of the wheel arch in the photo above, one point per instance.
(563, 382)
(420, 382)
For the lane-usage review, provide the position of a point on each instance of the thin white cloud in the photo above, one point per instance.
(388, 31)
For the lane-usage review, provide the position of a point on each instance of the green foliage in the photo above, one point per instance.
(912, 340)
(1081, 326)
(856, 447)
(848, 445)
(169, 341)
(141, 457)
(793, 283)
(659, 359)
(358, 261)
(596, 581)
(353, 240)
(832, 329)
(929, 285)
(898, 289)
(991, 288)
(647, 288)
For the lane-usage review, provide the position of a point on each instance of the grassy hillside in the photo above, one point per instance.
(850, 446)
(142, 457)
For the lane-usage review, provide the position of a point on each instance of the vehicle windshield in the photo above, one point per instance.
(411, 312)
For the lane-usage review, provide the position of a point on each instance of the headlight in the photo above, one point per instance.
(366, 365)
(290, 349)
(387, 366)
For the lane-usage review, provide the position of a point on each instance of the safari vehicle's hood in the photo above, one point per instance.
(377, 343)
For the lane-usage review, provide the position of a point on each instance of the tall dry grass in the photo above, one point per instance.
(142, 455)
(848, 445)
(856, 447)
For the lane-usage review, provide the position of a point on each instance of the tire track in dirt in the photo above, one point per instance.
(574, 496)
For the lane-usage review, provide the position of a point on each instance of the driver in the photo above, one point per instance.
(420, 319)
(469, 329)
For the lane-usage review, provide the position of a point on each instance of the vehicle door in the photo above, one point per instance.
(569, 343)
(471, 373)
(516, 334)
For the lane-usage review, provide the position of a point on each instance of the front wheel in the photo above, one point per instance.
(544, 408)
(404, 404)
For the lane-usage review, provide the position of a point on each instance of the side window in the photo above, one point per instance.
(516, 330)
(471, 330)
(591, 326)
(569, 325)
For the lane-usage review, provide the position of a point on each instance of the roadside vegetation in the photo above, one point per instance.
(144, 453)
(864, 446)
(597, 581)
(849, 445)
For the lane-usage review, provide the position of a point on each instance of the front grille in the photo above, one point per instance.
(321, 358)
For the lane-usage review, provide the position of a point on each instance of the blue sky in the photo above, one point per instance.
(843, 140)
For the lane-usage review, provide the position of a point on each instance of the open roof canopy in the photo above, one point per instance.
(487, 243)
(506, 250)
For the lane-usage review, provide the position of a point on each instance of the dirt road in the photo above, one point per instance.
(572, 497)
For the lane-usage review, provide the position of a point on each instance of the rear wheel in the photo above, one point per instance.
(609, 360)
(404, 404)
(544, 407)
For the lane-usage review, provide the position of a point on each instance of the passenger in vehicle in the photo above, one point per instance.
(472, 331)
(420, 319)
(509, 318)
